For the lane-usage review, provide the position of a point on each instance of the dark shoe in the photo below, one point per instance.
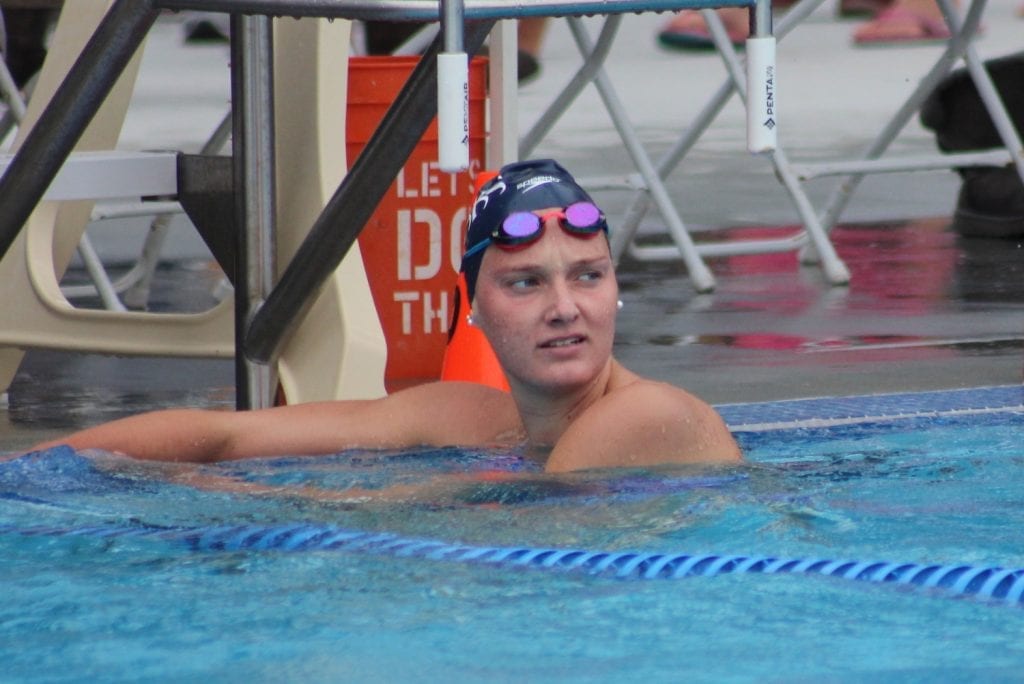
(384, 37)
(991, 203)
(529, 67)
(860, 9)
(204, 32)
(206, 27)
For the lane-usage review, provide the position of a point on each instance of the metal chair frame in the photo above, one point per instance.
(812, 243)
(792, 175)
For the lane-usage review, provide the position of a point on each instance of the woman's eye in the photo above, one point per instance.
(589, 276)
(523, 283)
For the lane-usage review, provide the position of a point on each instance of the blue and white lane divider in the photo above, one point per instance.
(986, 582)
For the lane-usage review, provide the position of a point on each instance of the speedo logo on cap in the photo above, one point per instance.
(527, 185)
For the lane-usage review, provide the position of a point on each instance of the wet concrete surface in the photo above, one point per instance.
(925, 308)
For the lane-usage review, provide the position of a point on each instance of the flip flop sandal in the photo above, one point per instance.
(695, 38)
(850, 9)
(922, 29)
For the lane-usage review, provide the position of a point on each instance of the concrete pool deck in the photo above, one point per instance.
(925, 309)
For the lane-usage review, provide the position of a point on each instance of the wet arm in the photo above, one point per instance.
(204, 436)
(434, 414)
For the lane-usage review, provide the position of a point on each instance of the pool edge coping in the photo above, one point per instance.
(846, 410)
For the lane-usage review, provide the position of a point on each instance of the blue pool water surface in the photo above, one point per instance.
(118, 570)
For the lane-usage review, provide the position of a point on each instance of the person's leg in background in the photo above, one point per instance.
(903, 21)
(531, 33)
(27, 31)
(892, 22)
(687, 30)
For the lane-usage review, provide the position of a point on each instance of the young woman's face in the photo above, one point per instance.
(549, 308)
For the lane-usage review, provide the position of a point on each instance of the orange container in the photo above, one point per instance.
(412, 245)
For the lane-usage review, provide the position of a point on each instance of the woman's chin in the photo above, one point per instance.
(563, 378)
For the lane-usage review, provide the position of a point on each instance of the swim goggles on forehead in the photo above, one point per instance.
(523, 227)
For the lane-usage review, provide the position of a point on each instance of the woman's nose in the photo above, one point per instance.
(563, 304)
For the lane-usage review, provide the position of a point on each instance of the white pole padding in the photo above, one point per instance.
(762, 113)
(453, 111)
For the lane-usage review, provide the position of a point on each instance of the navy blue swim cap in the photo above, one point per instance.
(519, 186)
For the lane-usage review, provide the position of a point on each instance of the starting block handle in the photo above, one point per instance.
(762, 118)
(453, 111)
(762, 114)
(452, 92)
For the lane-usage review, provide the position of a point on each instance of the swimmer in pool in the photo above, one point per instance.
(543, 290)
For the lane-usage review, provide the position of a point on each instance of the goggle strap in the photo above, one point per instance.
(478, 247)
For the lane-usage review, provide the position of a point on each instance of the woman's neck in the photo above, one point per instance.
(546, 417)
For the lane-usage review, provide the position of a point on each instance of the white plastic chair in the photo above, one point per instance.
(339, 350)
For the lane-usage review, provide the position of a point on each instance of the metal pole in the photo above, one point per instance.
(252, 97)
(761, 18)
(352, 204)
(70, 111)
(452, 25)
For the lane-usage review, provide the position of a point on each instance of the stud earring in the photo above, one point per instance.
(469, 319)
(618, 305)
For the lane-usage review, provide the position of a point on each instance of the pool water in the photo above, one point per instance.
(916, 480)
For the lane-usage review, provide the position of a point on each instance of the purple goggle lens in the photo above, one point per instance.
(524, 226)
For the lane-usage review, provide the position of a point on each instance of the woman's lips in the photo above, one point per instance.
(561, 342)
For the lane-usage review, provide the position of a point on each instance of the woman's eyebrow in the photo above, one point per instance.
(538, 266)
(603, 261)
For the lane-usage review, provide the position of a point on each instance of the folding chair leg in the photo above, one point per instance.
(823, 252)
(9, 92)
(820, 249)
(813, 244)
(98, 274)
(593, 59)
(136, 294)
(700, 274)
(640, 203)
(841, 196)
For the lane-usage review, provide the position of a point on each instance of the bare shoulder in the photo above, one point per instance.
(646, 404)
(645, 422)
